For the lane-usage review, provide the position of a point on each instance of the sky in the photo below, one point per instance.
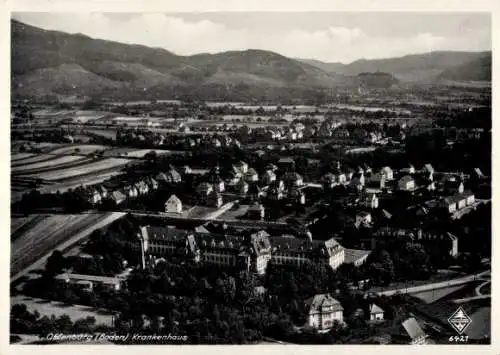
(326, 36)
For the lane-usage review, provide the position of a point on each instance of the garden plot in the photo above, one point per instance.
(56, 162)
(95, 167)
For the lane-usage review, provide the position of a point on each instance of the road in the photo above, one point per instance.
(69, 243)
(437, 285)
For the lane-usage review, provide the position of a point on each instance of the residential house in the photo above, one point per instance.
(216, 143)
(214, 199)
(204, 190)
(275, 193)
(363, 219)
(103, 191)
(153, 184)
(387, 173)
(357, 181)
(453, 186)
(251, 175)
(142, 187)
(286, 164)
(268, 177)
(324, 311)
(131, 191)
(406, 183)
(162, 177)
(173, 176)
(118, 197)
(241, 167)
(458, 201)
(242, 187)
(293, 180)
(173, 205)
(94, 197)
(356, 257)
(369, 201)
(298, 196)
(375, 182)
(218, 183)
(423, 182)
(349, 173)
(271, 167)
(410, 169)
(376, 313)
(256, 211)
(428, 168)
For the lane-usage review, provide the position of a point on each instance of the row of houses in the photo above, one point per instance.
(96, 195)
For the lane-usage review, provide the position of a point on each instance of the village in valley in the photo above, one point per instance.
(354, 217)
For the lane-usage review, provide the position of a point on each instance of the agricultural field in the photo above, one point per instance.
(142, 152)
(19, 224)
(20, 156)
(32, 160)
(91, 168)
(88, 116)
(54, 163)
(111, 134)
(79, 149)
(78, 181)
(43, 233)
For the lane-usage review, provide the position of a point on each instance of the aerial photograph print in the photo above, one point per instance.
(258, 178)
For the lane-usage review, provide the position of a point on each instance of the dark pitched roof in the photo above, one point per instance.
(317, 302)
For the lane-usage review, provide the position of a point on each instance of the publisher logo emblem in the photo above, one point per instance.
(459, 320)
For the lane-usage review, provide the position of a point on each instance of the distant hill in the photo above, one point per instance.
(377, 80)
(475, 70)
(45, 62)
(56, 63)
(418, 67)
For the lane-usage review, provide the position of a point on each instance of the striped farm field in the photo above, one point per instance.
(79, 149)
(46, 234)
(20, 156)
(34, 159)
(18, 224)
(56, 162)
(85, 169)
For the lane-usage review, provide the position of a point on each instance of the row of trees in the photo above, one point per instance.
(23, 321)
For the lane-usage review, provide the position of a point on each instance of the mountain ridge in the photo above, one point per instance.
(46, 62)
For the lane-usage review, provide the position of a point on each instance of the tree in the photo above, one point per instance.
(55, 263)
(381, 267)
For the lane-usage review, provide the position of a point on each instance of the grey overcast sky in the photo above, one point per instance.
(326, 36)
